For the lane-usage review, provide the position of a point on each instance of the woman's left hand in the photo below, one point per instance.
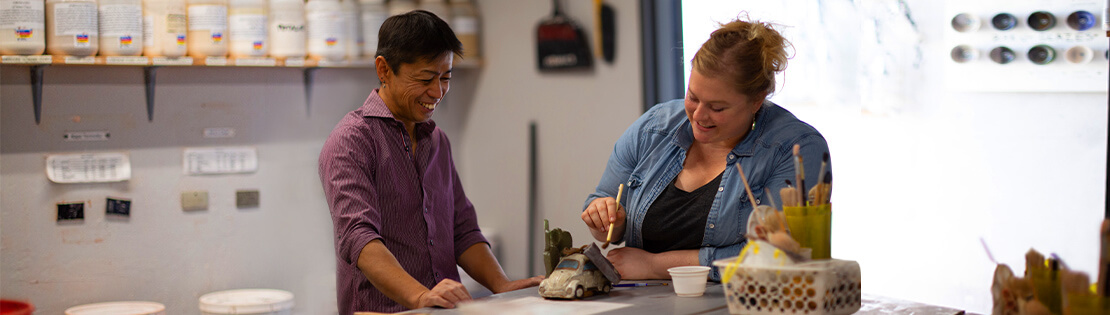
(634, 263)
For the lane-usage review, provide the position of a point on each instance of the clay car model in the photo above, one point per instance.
(574, 277)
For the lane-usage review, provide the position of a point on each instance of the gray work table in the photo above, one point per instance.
(660, 300)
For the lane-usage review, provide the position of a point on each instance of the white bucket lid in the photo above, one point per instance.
(118, 308)
(246, 301)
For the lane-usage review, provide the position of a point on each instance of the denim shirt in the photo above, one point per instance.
(649, 155)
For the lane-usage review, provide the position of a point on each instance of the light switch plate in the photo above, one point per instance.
(194, 200)
(246, 198)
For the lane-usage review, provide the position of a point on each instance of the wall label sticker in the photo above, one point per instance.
(220, 160)
(103, 167)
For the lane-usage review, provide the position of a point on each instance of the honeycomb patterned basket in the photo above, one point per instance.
(828, 286)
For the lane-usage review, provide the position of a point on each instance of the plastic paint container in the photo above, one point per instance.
(327, 34)
(118, 308)
(246, 28)
(287, 29)
(8, 307)
(247, 301)
(207, 28)
(353, 25)
(71, 27)
(121, 27)
(464, 21)
(689, 281)
(164, 28)
(374, 13)
(23, 29)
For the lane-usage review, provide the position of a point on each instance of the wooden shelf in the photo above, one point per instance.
(151, 64)
(210, 61)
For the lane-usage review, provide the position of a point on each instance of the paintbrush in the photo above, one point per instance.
(1104, 260)
(788, 195)
(751, 197)
(799, 175)
(820, 198)
(612, 224)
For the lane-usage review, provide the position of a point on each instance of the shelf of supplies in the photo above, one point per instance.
(209, 61)
(151, 64)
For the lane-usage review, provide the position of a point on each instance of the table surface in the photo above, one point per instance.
(650, 300)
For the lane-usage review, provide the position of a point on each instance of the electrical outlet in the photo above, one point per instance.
(71, 211)
(246, 198)
(118, 206)
(194, 200)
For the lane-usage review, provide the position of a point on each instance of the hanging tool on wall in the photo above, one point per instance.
(560, 43)
(605, 30)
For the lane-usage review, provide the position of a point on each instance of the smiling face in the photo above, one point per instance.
(412, 92)
(718, 113)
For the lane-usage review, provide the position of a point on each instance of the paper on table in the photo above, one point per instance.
(88, 167)
(536, 305)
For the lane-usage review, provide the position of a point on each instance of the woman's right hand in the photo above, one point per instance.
(599, 214)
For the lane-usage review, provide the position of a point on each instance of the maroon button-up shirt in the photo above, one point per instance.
(376, 189)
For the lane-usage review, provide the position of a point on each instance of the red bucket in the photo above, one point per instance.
(8, 307)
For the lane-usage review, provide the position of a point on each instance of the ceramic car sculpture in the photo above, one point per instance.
(575, 277)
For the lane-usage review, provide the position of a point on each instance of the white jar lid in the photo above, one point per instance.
(246, 301)
(118, 308)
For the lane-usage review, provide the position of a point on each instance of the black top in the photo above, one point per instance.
(676, 219)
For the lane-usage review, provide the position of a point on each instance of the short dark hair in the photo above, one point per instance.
(418, 34)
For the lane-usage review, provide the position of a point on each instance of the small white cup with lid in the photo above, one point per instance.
(689, 280)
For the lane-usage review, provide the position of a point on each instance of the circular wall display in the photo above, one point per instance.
(1004, 21)
(1042, 21)
(1002, 55)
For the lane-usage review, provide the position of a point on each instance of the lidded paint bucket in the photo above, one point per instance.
(247, 301)
(118, 308)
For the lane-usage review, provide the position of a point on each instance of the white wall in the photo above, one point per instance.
(166, 255)
(922, 172)
(579, 116)
(162, 253)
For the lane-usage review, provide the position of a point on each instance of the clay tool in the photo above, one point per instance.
(603, 264)
(612, 224)
(767, 192)
(784, 225)
(641, 284)
(821, 187)
(751, 197)
(799, 175)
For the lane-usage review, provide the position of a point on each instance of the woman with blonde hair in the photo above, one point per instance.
(684, 201)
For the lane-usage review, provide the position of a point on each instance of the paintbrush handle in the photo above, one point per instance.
(612, 224)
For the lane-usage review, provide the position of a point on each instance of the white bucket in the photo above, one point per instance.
(118, 308)
(247, 301)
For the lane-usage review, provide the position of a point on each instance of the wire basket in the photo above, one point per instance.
(817, 287)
